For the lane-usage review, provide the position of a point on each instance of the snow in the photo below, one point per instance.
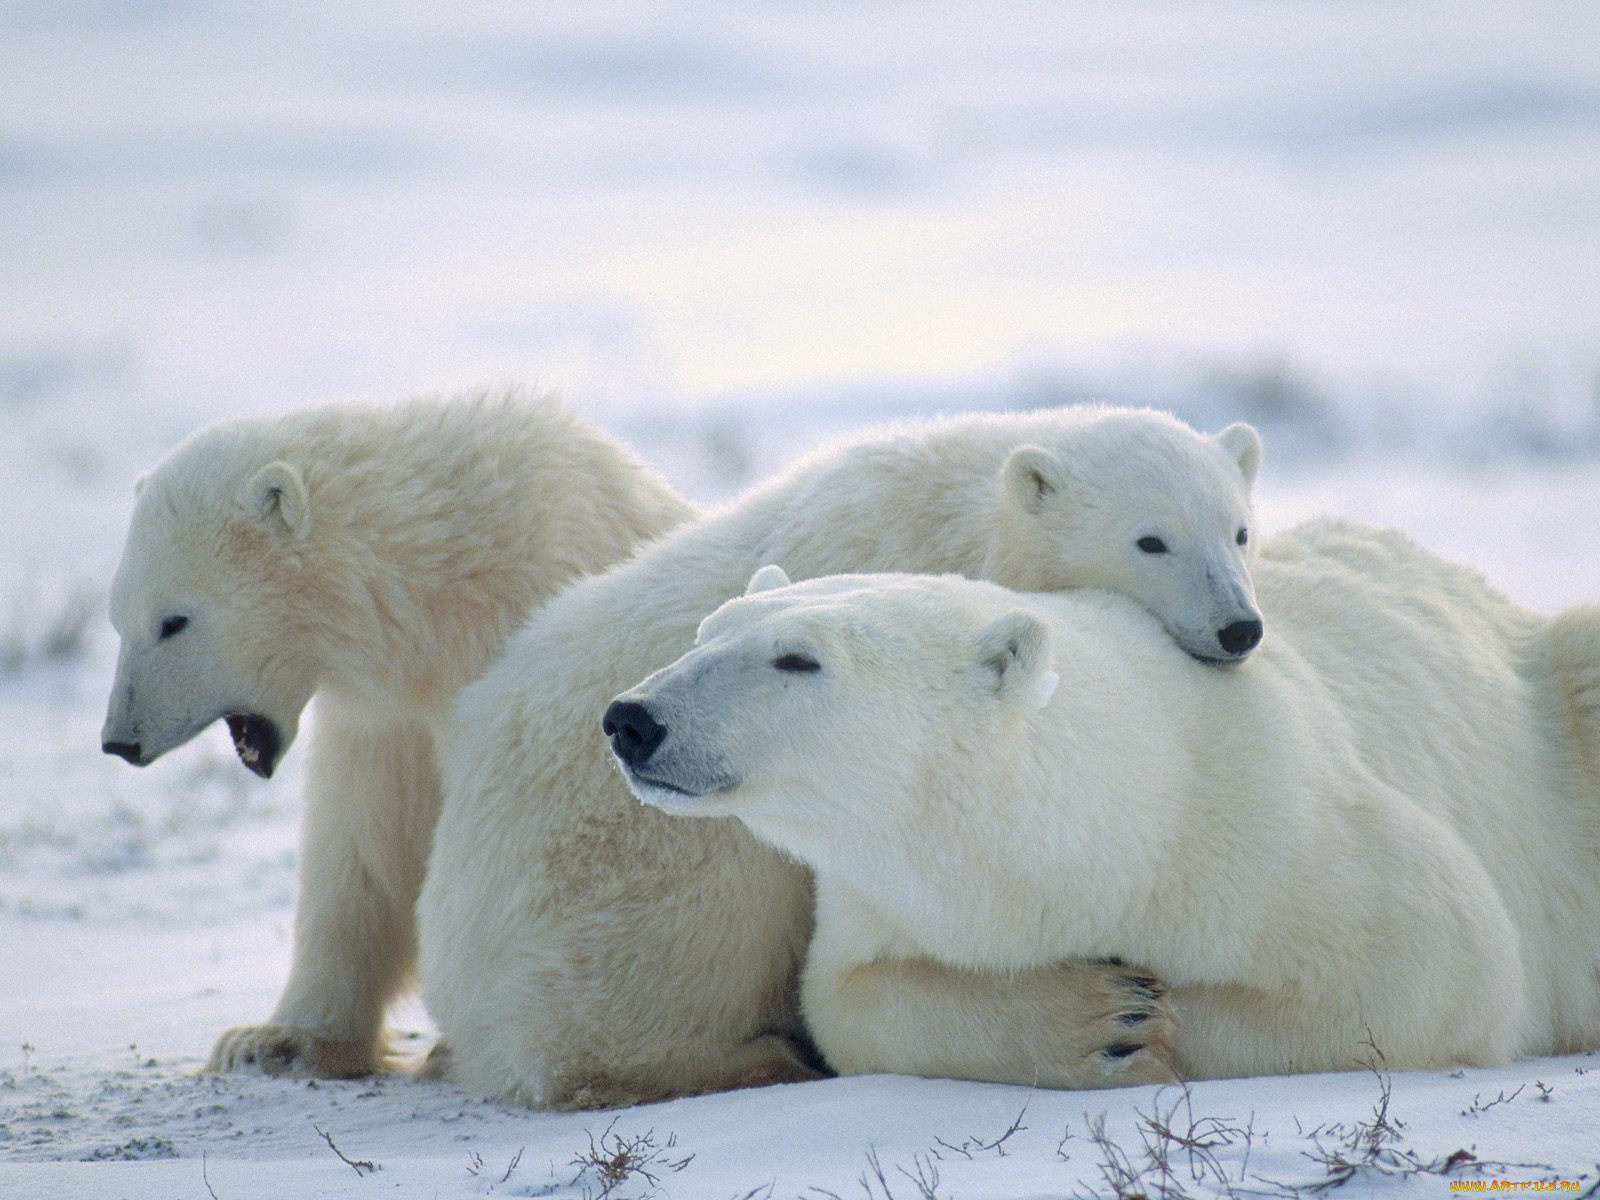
(143, 912)
(726, 230)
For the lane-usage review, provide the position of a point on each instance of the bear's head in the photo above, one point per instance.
(1137, 502)
(831, 694)
(210, 603)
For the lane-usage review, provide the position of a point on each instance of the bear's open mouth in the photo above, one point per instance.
(256, 740)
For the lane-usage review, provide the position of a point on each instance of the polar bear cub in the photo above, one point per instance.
(373, 558)
(1383, 826)
(579, 951)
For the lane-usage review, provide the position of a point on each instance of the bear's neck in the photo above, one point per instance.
(926, 502)
(1060, 843)
(424, 563)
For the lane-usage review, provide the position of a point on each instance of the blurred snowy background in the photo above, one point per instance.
(725, 230)
(1370, 227)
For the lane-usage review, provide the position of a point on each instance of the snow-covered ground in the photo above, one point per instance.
(726, 230)
(143, 912)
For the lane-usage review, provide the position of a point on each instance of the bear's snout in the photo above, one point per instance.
(127, 750)
(633, 731)
(1241, 637)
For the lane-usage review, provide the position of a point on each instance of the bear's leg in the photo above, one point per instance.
(1232, 1031)
(1072, 1025)
(874, 1006)
(690, 1068)
(371, 803)
(1417, 963)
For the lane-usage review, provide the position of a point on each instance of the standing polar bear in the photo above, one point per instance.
(374, 558)
(1387, 826)
(579, 950)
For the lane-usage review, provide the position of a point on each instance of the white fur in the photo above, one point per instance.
(578, 949)
(1387, 824)
(375, 559)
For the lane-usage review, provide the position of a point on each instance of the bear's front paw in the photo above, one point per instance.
(439, 1066)
(1132, 1041)
(287, 1050)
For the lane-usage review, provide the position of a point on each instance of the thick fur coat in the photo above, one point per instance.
(1385, 826)
(375, 559)
(578, 950)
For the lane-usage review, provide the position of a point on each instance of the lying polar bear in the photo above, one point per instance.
(1387, 824)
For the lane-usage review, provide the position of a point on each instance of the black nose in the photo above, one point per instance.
(127, 750)
(634, 733)
(1241, 637)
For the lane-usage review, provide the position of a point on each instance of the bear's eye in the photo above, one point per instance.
(173, 626)
(1244, 536)
(796, 663)
(1151, 545)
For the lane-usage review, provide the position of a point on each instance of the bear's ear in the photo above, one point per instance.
(277, 493)
(1031, 476)
(138, 484)
(1243, 445)
(766, 579)
(1015, 648)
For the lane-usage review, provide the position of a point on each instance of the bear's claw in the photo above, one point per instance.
(288, 1050)
(1137, 1027)
(1147, 987)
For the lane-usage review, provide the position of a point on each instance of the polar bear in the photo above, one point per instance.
(577, 950)
(374, 558)
(1385, 827)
